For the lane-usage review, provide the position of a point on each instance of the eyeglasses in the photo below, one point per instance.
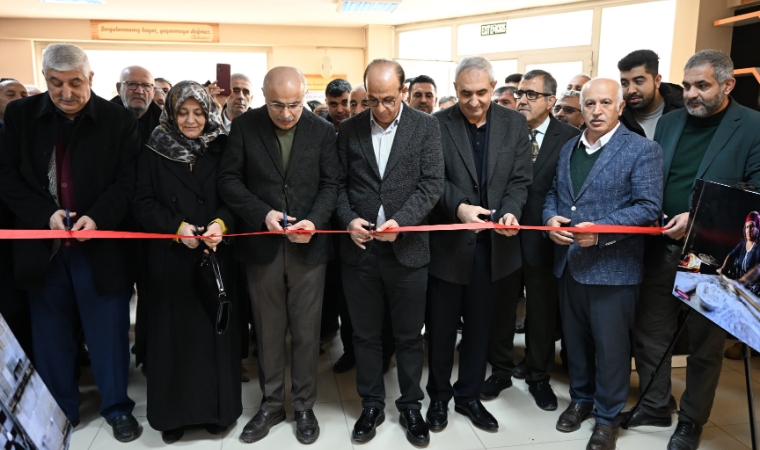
(280, 107)
(132, 86)
(371, 102)
(532, 95)
(566, 109)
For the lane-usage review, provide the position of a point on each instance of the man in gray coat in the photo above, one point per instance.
(392, 176)
(610, 176)
(280, 171)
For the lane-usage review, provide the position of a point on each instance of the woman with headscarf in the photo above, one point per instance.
(193, 372)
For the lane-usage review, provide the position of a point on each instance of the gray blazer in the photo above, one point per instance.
(508, 175)
(410, 187)
(623, 188)
(252, 182)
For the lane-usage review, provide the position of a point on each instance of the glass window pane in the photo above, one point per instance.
(173, 65)
(529, 33)
(441, 72)
(561, 71)
(433, 44)
(503, 68)
(614, 45)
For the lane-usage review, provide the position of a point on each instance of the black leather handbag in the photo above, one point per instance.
(210, 289)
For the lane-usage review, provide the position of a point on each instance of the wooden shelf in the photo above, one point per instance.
(737, 21)
(754, 71)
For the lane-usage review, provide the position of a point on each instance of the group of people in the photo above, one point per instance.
(204, 165)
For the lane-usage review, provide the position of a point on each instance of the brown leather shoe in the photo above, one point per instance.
(604, 437)
(572, 418)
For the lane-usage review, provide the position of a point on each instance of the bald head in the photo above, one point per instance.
(136, 88)
(602, 104)
(384, 80)
(577, 82)
(284, 89)
(10, 90)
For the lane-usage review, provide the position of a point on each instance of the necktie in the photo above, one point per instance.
(534, 153)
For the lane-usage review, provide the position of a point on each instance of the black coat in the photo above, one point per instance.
(104, 150)
(538, 250)
(253, 182)
(186, 358)
(508, 176)
(672, 94)
(410, 187)
(148, 122)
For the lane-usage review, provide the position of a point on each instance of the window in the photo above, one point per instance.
(616, 39)
(503, 68)
(529, 33)
(561, 71)
(433, 44)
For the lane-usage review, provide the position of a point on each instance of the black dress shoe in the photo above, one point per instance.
(125, 428)
(520, 328)
(74, 423)
(492, 387)
(686, 436)
(437, 416)
(172, 436)
(521, 370)
(346, 362)
(307, 427)
(604, 437)
(364, 428)
(417, 432)
(478, 414)
(215, 429)
(570, 420)
(642, 418)
(258, 427)
(543, 394)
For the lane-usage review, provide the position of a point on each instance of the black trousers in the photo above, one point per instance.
(501, 348)
(380, 278)
(475, 302)
(597, 321)
(656, 317)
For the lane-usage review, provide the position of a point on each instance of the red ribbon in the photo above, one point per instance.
(99, 234)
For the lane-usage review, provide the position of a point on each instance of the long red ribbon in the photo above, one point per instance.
(99, 234)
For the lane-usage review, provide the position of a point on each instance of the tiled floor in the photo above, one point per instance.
(522, 424)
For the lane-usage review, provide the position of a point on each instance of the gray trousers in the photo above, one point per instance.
(286, 294)
(656, 316)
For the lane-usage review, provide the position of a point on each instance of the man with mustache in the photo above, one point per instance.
(716, 139)
(337, 95)
(535, 98)
(568, 109)
(358, 100)
(280, 170)
(422, 94)
(136, 91)
(238, 101)
(505, 96)
(647, 98)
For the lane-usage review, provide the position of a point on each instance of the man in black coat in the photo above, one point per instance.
(70, 151)
(280, 170)
(647, 98)
(392, 176)
(487, 159)
(136, 90)
(547, 135)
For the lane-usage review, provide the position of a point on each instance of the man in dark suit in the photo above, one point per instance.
(716, 139)
(392, 176)
(71, 151)
(610, 176)
(487, 161)
(547, 136)
(136, 90)
(280, 167)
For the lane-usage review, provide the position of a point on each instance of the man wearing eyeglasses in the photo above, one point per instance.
(505, 96)
(337, 95)
(647, 97)
(136, 90)
(487, 169)
(280, 171)
(535, 99)
(392, 176)
(568, 109)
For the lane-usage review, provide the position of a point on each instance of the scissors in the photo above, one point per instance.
(68, 220)
(284, 220)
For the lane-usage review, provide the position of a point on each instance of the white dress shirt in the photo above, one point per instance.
(601, 142)
(382, 141)
(225, 121)
(541, 132)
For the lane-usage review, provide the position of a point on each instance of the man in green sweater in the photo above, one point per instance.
(716, 139)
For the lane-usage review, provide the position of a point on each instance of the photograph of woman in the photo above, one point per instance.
(746, 254)
(193, 371)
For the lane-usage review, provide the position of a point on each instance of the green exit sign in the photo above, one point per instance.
(491, 29)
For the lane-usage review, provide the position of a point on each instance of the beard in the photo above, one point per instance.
(701, 108)
(562, 119)
(646, 100)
